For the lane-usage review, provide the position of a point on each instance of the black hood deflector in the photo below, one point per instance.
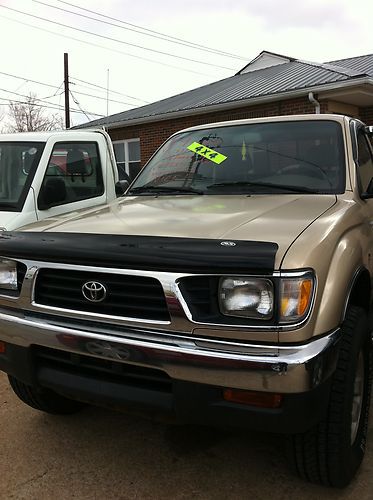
(155, 253)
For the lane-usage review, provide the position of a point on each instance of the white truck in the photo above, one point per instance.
(47, 174)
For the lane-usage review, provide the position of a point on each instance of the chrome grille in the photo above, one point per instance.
(127, 296)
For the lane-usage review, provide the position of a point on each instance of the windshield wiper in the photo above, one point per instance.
(163, 189)
(299, 189)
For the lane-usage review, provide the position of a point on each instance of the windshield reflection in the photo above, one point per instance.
(264, 158)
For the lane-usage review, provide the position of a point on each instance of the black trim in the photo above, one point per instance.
(353, 127)
(156, 253)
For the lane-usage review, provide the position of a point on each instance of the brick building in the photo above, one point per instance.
(269, 85)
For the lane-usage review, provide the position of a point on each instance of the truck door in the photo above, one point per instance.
(73, 179)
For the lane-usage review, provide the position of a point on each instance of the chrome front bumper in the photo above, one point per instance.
(269, 368)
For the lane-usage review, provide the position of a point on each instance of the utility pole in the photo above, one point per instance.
(66, 83)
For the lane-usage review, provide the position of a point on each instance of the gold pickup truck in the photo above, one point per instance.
(230, 286)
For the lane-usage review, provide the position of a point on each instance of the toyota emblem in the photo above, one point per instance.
(107, 350)
(94, 291)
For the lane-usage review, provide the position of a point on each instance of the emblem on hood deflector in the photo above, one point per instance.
(228, 244)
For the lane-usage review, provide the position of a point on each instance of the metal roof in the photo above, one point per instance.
(286, 77)
(360, 63)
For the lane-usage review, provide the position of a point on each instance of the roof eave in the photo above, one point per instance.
(237, 104)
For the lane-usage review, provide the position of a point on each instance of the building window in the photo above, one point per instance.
(127, 155)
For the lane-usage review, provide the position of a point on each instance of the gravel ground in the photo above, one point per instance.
(99, 454)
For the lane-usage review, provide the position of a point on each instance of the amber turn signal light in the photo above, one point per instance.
(296, 297)
(253, 398)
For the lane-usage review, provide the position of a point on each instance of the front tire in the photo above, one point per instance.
(331, 452)
(44, 399)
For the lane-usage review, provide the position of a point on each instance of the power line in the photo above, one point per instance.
(21, 95)
(36, 99)
(169, 37)
(56, 94)
(55, 87)
(35, 104)
(105, 89)
(103, 47)
(79, 106)
(145, 32)
(116, 40)
(28, 80)
(104, 98)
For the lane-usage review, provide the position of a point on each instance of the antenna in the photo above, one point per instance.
(107, 93)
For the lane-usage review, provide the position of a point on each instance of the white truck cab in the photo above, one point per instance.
(46, 174)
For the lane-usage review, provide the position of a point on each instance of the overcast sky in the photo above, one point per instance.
(32, 48)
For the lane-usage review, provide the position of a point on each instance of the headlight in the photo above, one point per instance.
(8, 274)
(246, 297)
(253, 298)
(296, 297)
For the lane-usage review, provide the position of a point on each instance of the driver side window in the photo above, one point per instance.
(365, 162)
(74, 173)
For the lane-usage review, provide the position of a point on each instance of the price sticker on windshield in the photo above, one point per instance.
(207, 153)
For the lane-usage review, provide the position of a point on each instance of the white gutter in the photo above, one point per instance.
(238, 104)
(314, 101)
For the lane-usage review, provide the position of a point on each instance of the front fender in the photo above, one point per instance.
(337, 247)
(333, 294)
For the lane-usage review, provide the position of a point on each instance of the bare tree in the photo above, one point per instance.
(31, 116)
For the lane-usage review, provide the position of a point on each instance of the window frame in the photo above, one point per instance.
(359, 131)
(99, 174)
(126, 161)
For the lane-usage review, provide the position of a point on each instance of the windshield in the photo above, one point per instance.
(263, 158)
(18, 162)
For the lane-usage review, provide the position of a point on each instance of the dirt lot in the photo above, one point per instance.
(100, 454)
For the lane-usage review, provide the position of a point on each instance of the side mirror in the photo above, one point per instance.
(369, 192)
(121, 187)
(366, 196)
(369, 130)
(52, 193)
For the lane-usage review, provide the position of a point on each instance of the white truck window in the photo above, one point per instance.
(74, 170)
(18, 162)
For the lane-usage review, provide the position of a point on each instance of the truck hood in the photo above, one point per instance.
(271, 218)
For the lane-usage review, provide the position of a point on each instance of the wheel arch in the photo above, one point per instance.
(359, 293)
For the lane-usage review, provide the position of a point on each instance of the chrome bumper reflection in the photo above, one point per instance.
(272, 368)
